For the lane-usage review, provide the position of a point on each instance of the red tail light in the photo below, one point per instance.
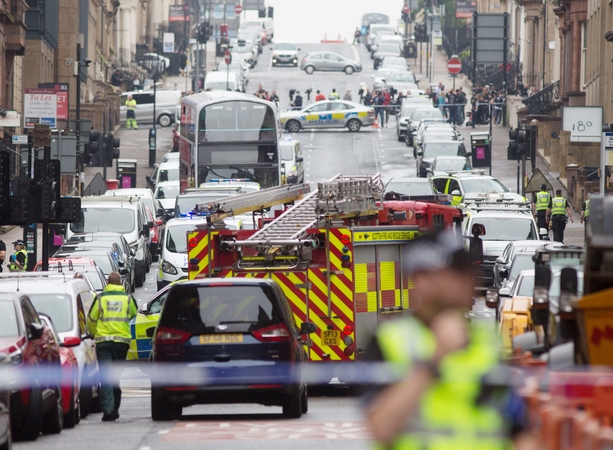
(274, 333)
(166, 336)
(348, 330)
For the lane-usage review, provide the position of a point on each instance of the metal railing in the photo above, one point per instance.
(544, 99)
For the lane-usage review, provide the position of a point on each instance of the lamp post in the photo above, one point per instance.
(155, 68)
(77, 74)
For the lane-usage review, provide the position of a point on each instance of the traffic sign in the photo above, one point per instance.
(238, 9)
(227, 57)
(20, 139)
(454, 66)
(405, 9)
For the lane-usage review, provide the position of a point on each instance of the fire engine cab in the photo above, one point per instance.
(337, 253)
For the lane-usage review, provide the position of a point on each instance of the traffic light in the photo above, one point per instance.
(522, 141)
(94, 137)
(112, 149)
(69, 210)
(271, 11)
(261, 13)
(204, 32)
(420, 32)
(512, 153)
(48, 186)
(5, 186)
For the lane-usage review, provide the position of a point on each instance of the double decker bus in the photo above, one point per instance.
(228, 135)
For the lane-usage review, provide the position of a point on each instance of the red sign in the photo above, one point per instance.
(405, 9)
(454, 66)
(238, 9)
(227, 57)
(61, 89)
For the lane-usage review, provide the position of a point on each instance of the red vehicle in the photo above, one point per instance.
(156, 234)
(70, 375)
(36, 403)
(176, 138)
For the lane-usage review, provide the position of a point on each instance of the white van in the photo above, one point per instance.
(266, 23)
(292, 161)
(221, 81)
(166, 102)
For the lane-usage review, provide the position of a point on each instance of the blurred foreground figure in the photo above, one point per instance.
(447, 395)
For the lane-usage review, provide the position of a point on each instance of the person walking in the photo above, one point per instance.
(541, 207)
(131, 113)
(333, 95)
(18, 261)
(348, 96)
(585, 214)
(559, 210)
(368, 99)
(446, 394)
(109, 323)
(356, 36)
(387, 99)
(379, 111)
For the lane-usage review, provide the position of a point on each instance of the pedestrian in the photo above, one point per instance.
(333, 95)
(356, 36)
(2, 254)
(98, 95)
(379, 113)
(440, 103)
(319, 97)
(109, 323)
(297, 103)
(274, 97)
(585, 215)
(387, 99)
(451, 102)
(448, 392)
(348, 96)
(116, 78)
(440, 88)
(182, 62)
(131, 113)
(541, 207)
(559, 211)
(463, 102)
(368, 99)
(18, 261)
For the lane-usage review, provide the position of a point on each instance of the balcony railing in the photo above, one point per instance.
(544, 99)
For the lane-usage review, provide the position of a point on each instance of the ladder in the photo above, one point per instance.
(252, 201)
(338, 198)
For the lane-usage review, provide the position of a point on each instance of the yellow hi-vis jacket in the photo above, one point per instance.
(110, 315)
(449, 416)
(15, 267)
(131, 105)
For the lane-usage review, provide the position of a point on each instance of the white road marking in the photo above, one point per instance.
(163, 431)
(356, 55)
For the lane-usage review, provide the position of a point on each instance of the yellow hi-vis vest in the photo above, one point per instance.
(110, 315)
(131, 105)
(542, 200)
(586, 211)
(558, 206)
(449, 416)
(15, 267)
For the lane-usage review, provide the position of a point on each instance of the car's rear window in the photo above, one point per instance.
(57, 306)
(199, 310)
(8, 320)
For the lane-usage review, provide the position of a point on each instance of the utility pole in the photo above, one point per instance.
(77, 74)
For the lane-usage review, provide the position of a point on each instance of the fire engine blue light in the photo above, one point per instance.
(345, 258)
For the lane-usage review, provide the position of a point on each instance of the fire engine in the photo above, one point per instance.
(337, 254)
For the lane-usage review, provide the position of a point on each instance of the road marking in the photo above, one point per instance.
(145, 448)
(163, 431)
(356, 55)
(266, 430)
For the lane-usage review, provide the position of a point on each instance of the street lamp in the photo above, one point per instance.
(77, 74)
(156, 68)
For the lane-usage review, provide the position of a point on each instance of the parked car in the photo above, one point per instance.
(426, 112)
(236, 67)
(166, 192)
(329, 62)
(385, 50)
(399, 187)
(444, 164)
(404, 114)
(165, 102)
(329, 114)
(266, 24)
(379, 78)
(87, 267)
(222, 81)
(103, 259)
(504, 261)
(36, 405)
(433, 149)
(250, 323)
(6, 437)
(394, 62)
(247, 51)
(405, 82)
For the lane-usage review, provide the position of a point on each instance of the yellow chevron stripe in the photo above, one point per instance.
(202, 237)
(338, 302)
(334, 260)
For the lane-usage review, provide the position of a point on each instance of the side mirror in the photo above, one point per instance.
(299, 159)
(160, 212)
(491, 298)
(478, 229)
(504, 292)
(72, 341)
(36, 330)
(149, 332)
(159, 222)
(150, 224)
(456, 193)
(132, 252)
(308, 328)
(123, 271)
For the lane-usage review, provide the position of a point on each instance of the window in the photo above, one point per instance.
(57, 306)
(8, 319)
(454, 186)
(143, 99)
(82, 318)
(318, 108)
(583, 55)
(340, 106)
(332, 57)
(316, 56)
(440, 184)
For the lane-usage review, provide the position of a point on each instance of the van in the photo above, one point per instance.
(266, 23)
(221, 81)
(125, 215)
(165, 106)
(292, 165)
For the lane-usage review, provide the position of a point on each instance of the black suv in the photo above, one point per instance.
(232, 340)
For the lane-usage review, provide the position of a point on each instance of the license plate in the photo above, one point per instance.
(331, 337)
(221, 338)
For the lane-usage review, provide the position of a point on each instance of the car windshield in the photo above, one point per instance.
(429, 113)
(507, 228)
(8, 319)
(438, 136)
(434, 150)
(176, 237)
(221, 85)
(409, 187)
(169, 174)
(242, 48)
(389, 48)
(404, 77)
(250, 24)
(93, 277)
(234, 67)
(520, 262)
(285, 46)
(118, 220)
(526, 287)
(483, 185)
(407, 110)
(186, 204)
(56, 306)
(450, 164)
(164, 192)
(199, 310)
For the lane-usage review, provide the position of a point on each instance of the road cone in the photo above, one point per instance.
(376, 124)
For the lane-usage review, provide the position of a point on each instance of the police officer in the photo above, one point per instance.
(131, 113)
(541, 205)
(18, 262)
(333, 95)
(297, 103)
(559, 210)
(440, 399)
(585, 214)
(109, 322)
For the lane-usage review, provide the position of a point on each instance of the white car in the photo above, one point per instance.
(246, 50)
(443, 164)
(329, 114)
(166, 192)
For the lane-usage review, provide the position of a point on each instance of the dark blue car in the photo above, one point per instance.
(231, 340)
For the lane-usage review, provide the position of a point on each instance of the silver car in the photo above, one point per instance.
(329, 114)
(166, 102)
(329, 62)
(246, 50)
(379, 78)
(285, 52)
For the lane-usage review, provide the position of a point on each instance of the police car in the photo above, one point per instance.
(473, 186)
(329, 114)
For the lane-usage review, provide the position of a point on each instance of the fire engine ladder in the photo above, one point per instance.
(340, 197)
(253, 201)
